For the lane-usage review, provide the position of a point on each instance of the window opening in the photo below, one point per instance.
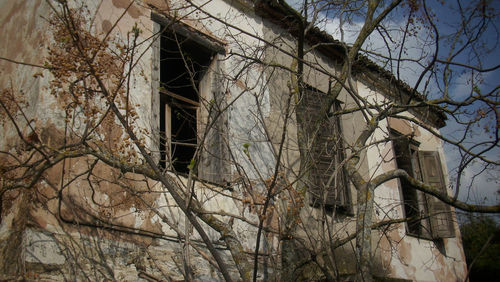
(407, 159)
(183, 63)
(428, 217)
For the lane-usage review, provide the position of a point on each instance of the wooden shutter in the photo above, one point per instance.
(327, 180)
(441, 218)
(213, 166)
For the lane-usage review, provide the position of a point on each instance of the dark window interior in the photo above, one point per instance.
(428, 217)
(404, 154)
(183, 63)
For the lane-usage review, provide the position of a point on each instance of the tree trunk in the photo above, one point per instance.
(363, 236)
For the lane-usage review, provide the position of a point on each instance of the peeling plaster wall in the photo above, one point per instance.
(311, 228)
(279, 85)
(62, 236)
(26, 44)
(23, 40)
(136, 16)
(247, 94)
(401, 255)
(257, 99)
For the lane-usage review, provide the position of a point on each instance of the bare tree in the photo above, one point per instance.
(240, 159)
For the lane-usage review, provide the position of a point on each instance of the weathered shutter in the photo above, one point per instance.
(213, 165)
(405, 159)
(441, 218)
(327, 180)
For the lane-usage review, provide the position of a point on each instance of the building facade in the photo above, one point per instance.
(208, 89)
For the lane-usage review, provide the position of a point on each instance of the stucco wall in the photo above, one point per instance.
(402, 255)
(60, 232)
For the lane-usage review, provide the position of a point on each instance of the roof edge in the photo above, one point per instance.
(336, 50)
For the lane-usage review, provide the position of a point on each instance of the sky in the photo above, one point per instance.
(483, 188)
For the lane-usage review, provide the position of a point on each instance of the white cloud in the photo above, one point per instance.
(332, 26)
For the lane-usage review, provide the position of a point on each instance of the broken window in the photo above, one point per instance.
(428, 217)
(182, 66)
(190, 103)
(327, 181)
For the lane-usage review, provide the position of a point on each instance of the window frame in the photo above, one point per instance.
(163, 99)
(180, 95)
(428, 205)
(318, 197)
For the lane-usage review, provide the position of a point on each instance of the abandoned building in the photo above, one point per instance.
(211, 81)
